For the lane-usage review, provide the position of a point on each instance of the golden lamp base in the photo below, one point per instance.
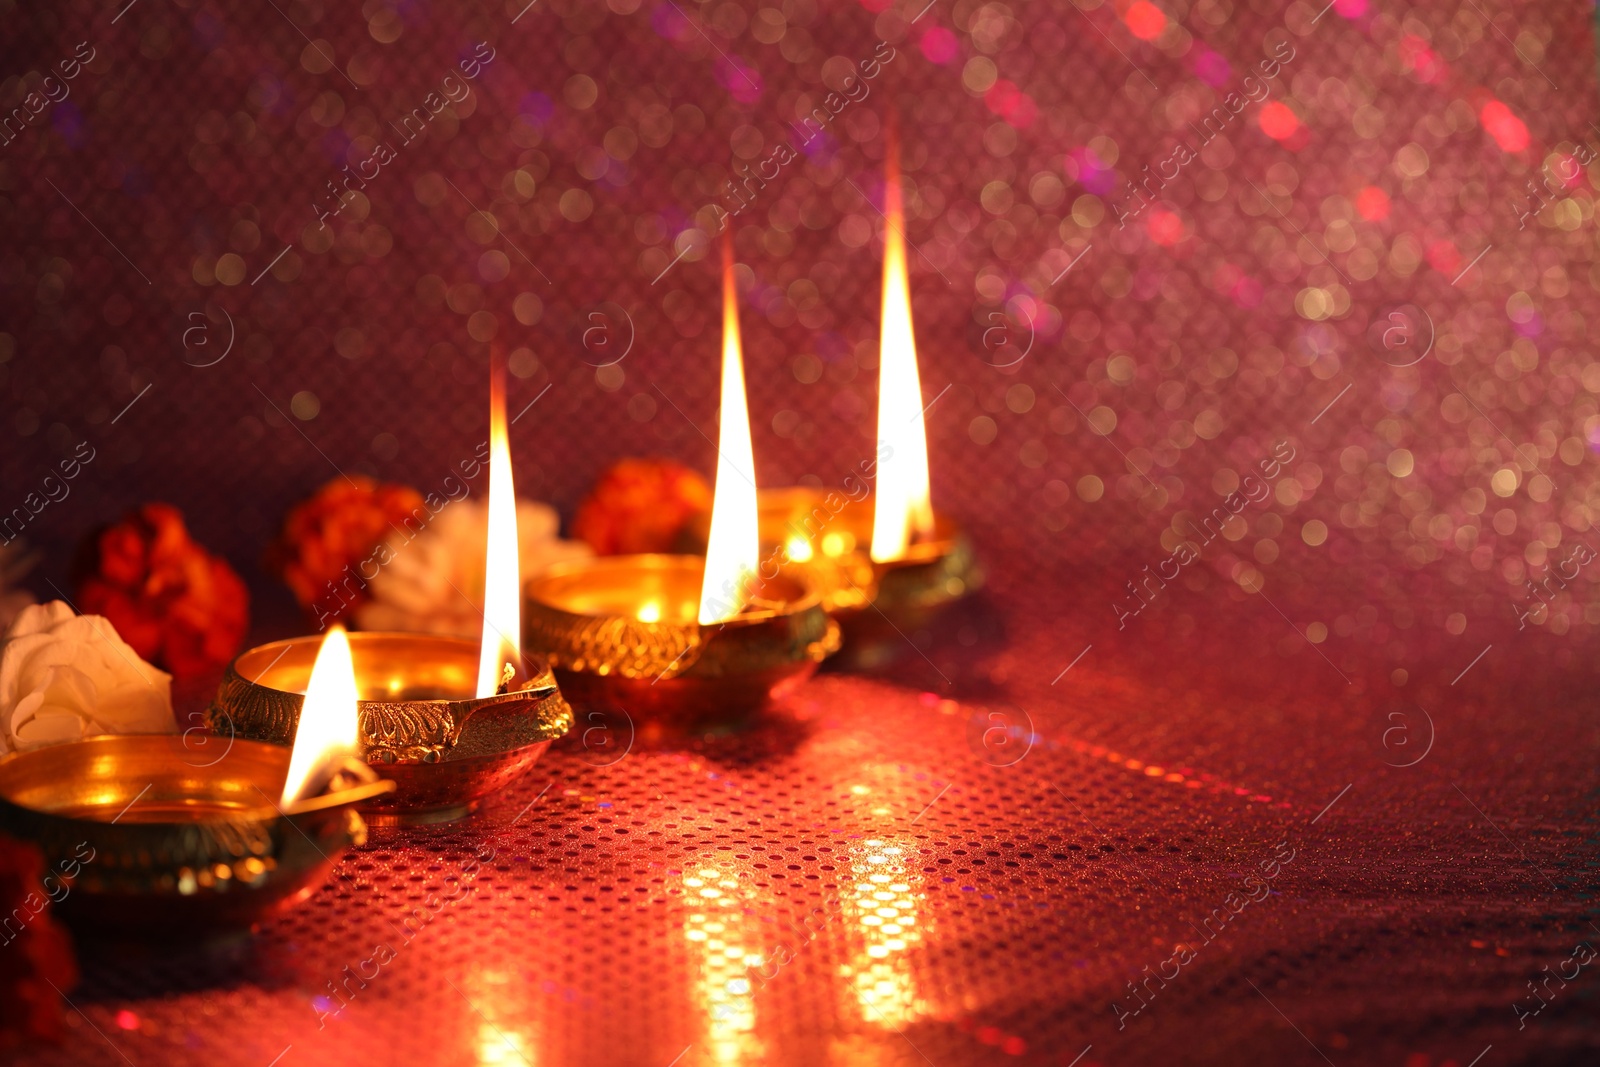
(621, 631)
(142, 837)
(827, 537)
(444, 751)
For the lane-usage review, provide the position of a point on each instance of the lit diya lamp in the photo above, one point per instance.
(448, 721)
(685, 637)
(149, 841)
(886, 564)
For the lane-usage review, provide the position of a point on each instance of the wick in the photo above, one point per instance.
(507, 672)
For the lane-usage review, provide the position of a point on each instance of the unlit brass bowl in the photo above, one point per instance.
(444, 750)
(584, 616)
(141, 836)
(878, 605)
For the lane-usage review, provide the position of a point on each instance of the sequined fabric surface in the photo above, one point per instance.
(1254, 343)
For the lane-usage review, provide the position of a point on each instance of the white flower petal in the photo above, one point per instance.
(39, 618)
(49, 726)
(536, 522)
(64, 675)
(434, 581)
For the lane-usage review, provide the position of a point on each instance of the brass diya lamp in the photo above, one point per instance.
(686, 638)
(145, 840)
(449, 722)
(888, 565)
(625, 631)
(826, 537)
(421, 726)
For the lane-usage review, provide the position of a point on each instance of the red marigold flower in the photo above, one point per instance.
(177, 605)
(34, 958)
(327, 534)
(645, 505)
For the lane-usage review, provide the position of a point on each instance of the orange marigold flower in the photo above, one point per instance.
(645, 505)
(326, 535)
(177, 605)
(36, 957)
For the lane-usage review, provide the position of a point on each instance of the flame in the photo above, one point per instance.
(329, 730)
(733, 549)
(502, 592)
(903, 506)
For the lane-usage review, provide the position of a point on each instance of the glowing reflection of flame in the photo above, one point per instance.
(716, 924)
(507, 1007)
(799, 549)
(329, 730)
(502, 585)
(903, 506)
(883, 898)
(502, 1045)
(733, 548)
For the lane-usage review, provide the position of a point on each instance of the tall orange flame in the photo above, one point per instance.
(733, 548)
(330, 727)
(903, 506)
(502, 592)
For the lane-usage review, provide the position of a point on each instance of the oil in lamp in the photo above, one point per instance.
(685, 638)
(152, 843)
(888, 568)
(448, 722)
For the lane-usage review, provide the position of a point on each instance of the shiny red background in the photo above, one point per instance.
(1386, 173)
(197, 134)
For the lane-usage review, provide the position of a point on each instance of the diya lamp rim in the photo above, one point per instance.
(949, 536)
(930, 574)
(270, 811)
(538, 687)
(447, 754)
(674, 668)
(204, 864)
(539, 684)
(810, 595)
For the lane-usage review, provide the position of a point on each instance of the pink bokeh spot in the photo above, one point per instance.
(1278, 121)
(671, 23)
(1499, 122)
(1444, 257)
(1011, 103)
(1422, 61)
(1372, 204)
(1247, 293)
(1210, 67)
(939, 45)
(1023, 112)
(740, 79)
(1145, 20)
(1088, 169)
(1166, 229)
